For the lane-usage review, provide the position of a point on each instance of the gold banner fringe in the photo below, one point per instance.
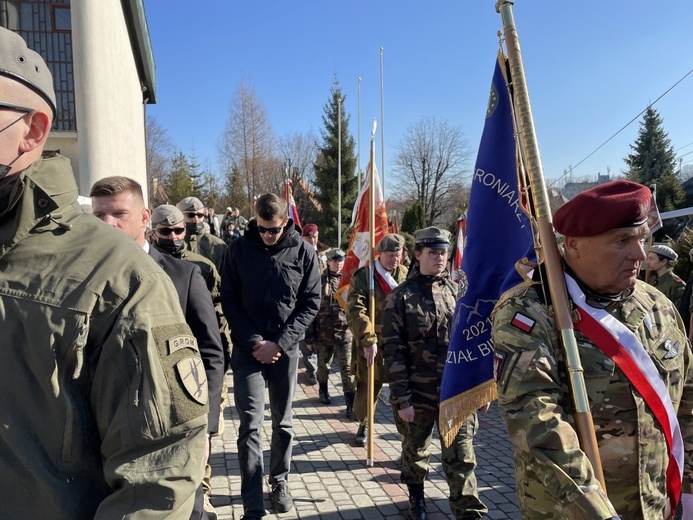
(454, 411)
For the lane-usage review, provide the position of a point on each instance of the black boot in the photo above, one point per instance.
(324, 394)
(349, 399)
(361, 435)
(417, 503)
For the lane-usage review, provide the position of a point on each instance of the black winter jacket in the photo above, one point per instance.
(270, 293)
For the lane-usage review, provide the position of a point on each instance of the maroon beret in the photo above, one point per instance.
(308, 230)
(607, 206)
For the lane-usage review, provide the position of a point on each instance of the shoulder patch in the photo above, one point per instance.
(180, 342)
(191, 371)
(522, 322)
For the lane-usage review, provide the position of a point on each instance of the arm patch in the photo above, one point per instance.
(184, 371)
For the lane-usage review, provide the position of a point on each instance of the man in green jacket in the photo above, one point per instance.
(103, 397)
(389, 272)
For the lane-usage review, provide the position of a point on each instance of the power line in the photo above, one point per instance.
(623, 128)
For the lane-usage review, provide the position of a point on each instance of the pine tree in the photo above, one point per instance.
(325, 168)
(653, 162)
(183, 178)
(414, 218)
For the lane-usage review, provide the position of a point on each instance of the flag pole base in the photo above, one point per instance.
(369, 463)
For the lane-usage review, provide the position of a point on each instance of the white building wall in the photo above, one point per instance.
(108, 95)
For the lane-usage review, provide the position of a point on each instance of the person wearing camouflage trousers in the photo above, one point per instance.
(416, 321)
(331, 334)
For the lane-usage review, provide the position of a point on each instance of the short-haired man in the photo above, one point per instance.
(197, 239)
(637, 364)
(270, 295)
(119, 202)
(102, 413)
(389, 272)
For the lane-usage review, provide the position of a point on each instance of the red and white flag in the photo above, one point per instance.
(358, 254)
(289, 196)
(459, 248)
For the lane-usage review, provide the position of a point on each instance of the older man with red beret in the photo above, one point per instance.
(637, 368)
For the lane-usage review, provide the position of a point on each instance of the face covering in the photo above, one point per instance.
(171, 246)
(194, 227)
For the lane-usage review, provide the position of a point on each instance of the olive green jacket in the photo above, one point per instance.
(103, 397)
(671, 285)
(367, 333)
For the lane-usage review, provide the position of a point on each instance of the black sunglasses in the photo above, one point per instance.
(166, 231)
(272, 230)
(193, 215)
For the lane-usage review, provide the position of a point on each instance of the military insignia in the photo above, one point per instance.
(192, 374)
(671, 348)
(522, 322)
(498, 358)
(648, 322)
(462, 282)
(180, 342)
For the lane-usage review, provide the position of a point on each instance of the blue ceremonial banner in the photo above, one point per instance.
(498, 235)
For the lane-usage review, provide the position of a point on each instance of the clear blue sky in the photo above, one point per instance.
(591, 67)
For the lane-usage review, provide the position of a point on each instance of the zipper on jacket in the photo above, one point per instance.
(138, 364)
(80, 344)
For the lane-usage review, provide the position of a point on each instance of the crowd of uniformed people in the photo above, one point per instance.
(119, 362)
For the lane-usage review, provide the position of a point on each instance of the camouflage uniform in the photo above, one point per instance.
(416, 331)
(554, 477)
(366, 334)
(671, 285)
(332, 334)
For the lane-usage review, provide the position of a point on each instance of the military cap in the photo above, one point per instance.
(335, 254)
(432, 237)
(607, 206)
(167, 215)
(309, 230)
(664, 251)
(21, 64)
(190, 204)
(390, 242)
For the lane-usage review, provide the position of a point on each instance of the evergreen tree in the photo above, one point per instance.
(325, 168)
(414, 218)
(183, 180)
(653, 162)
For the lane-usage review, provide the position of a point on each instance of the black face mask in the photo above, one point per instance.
(194, 227)
(171, 246)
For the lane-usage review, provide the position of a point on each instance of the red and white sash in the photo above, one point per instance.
(384, 279)
(616, 341)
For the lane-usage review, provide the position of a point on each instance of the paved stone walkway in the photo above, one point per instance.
(330, 479)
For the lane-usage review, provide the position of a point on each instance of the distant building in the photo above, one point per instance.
(571, 189)
(100, 54)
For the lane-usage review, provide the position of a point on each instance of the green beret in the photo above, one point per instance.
(433, 237)
(190, 204)
(390, 242)
(664, 251)
(335, 254)
(21, 64)
(166, 215)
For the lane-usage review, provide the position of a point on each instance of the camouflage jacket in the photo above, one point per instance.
(554, 477)
(330, 325)
(671, 285)
(416, 332)
(102, 403)
(365, 332)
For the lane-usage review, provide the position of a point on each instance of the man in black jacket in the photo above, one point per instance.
(118, 201)
(270, 294)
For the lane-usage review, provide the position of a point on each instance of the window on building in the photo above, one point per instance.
(60, 14)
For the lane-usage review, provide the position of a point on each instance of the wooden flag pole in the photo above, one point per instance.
(371, 299)
(548, 248)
